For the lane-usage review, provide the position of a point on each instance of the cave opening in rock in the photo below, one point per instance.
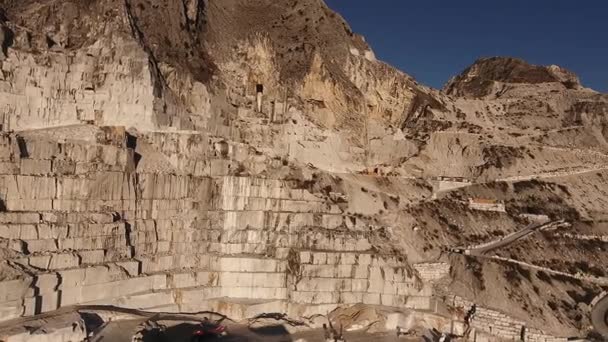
(259, 89)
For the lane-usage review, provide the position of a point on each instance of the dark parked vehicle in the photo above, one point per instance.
(207, 331)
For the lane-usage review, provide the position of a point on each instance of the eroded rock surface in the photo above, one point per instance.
(254, 157)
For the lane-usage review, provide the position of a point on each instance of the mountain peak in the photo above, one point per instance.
(479, 79)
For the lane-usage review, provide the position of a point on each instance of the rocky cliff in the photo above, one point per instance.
(250, 157)
(479, 79)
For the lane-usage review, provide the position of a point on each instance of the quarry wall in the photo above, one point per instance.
(84, 225)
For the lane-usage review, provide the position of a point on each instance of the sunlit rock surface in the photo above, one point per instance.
(254, 157)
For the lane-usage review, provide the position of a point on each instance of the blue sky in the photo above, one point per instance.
(433, 40)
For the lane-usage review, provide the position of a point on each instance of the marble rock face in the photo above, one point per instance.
(251, 157)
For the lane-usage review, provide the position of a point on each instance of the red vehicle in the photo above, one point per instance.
(208, 331)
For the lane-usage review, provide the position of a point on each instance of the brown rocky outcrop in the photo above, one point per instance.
(480, 79)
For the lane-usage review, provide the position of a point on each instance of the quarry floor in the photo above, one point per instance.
(122, 331)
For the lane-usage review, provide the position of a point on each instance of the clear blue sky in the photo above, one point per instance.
(433, 40)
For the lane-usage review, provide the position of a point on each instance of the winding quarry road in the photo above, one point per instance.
(599, 316)
(599, 313)
(509, 239)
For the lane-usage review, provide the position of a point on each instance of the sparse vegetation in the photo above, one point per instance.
(476, 269)
(543, 276)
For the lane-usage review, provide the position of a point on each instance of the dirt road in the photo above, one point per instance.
(599, 316)
(509, 239)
